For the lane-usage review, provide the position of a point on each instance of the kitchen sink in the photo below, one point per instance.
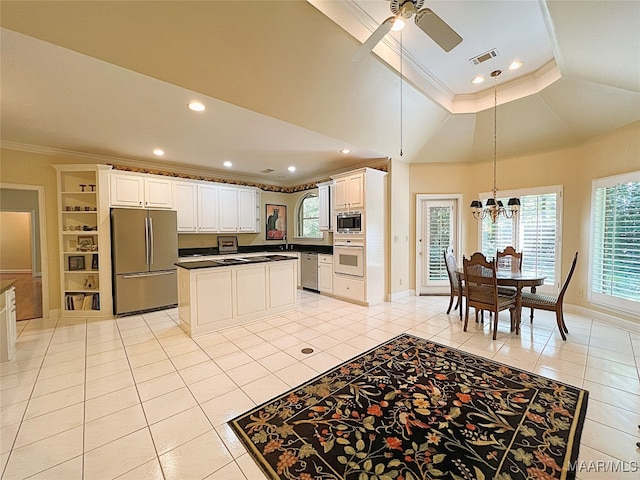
(278, 257)
(232, 261)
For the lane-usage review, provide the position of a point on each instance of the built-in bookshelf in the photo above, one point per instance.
(85, 272)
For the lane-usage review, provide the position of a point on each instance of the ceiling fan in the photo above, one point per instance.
(425, 18)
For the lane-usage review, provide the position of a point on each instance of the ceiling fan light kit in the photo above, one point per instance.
(430, 23)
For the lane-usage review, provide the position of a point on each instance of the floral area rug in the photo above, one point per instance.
(413, 409)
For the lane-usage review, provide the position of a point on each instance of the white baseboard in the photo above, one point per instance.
(604, 317)
(399, 295)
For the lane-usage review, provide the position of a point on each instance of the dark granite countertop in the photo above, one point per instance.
(208, 251)
(192, 265)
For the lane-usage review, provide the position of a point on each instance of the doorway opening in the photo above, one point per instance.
(23, 249)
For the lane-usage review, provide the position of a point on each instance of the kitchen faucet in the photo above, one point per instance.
(286, 244)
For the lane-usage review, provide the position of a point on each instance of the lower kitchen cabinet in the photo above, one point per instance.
(213, 298)
(348, 287)
(325, 273)
(8, 324)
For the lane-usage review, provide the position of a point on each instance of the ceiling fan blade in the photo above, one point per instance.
(378, 34)
(441, 33)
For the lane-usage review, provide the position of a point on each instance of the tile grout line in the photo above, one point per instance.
(29, 400)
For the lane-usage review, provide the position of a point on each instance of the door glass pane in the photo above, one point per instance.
(439, 238)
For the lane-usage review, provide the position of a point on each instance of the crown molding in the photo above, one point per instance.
(185, 172)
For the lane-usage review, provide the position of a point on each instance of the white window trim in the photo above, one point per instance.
(297, 218)
(620, 304)
(522, 192)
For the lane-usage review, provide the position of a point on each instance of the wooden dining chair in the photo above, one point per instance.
(454, 281)
(510, 260)
(551, 303)
(481, 290)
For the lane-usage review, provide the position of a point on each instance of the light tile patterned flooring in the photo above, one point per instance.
(136, 398)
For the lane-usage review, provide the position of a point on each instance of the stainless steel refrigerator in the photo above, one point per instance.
(144, 249)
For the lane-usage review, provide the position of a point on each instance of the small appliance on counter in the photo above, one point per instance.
(227, 244)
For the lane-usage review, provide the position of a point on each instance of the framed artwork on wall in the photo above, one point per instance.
(276, 216)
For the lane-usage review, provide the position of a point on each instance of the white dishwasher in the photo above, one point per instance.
(309, 270)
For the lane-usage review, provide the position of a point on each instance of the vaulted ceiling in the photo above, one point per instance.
(111, 80)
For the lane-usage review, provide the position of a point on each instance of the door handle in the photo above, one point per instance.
(150, 241)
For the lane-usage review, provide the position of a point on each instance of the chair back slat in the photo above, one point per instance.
(452, 266)
(509, 259)
(568, 279)
(480, 279)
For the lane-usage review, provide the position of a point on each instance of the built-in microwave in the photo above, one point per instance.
(349, 222)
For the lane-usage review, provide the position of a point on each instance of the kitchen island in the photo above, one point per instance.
(217, 294)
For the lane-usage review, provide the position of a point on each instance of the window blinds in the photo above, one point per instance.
(615, 268)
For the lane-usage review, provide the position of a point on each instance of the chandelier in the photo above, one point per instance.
(494, 207)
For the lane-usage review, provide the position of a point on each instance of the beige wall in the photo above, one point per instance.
(15, 242)
(399, 228)
(573, 168)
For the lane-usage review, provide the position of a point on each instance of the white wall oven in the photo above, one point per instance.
(348, 257)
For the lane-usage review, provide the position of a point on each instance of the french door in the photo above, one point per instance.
(437, 227)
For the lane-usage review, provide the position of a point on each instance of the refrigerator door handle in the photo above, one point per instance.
(146, 240)
(149, 274)
(150, 241)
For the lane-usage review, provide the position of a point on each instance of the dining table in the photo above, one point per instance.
(507, 278)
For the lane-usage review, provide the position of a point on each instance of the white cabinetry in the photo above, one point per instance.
(325, 273)
(208, 208)
(139, 191)
(349, 192)
(186, 194)
(8, 324)
(248, 210)
(214, 298)
(158, 193)
(212, 208)
(325, 203)
(363, 190)
(84, 239)
(238, 209)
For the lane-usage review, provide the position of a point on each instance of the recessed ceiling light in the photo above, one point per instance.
(292, 168)
(516, 64)
(196, 106)
(227, 164)
(345, 151)
(158, 152)
(398, 24)
(477, 79)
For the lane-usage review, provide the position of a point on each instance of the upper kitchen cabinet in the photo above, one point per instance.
(208, 208)
(186, 195)
(140, 191)
(239, 209)
(325, 203)
(349, 192)
(198, 206)
(213, 208)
